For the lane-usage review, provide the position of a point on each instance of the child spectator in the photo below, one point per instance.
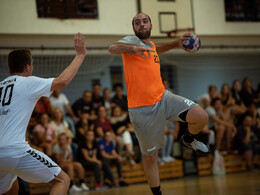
(109, 156)
(63, 155)
(44, 135)
(88, 157)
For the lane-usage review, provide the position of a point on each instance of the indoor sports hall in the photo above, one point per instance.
(222, 76)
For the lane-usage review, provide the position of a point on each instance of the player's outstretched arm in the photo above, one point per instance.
(69, 73)
(119, 48)
(160, 48)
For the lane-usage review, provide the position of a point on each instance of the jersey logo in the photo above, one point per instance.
(156, 59)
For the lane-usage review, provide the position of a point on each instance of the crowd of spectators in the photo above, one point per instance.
(95, 132)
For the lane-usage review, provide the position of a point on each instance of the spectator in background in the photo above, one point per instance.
(43, 105)
(169, 139)
(120, 99)
(167, 85)
(229, 102)
(44, 135)
(97, 99)
(212, 93)
(60, 125)
(63, 155)
(120, 126)
(102, 124)
(245, 139)
(109, 157)
(248, 94)
(236, 92)
(59, 100)
(219, 121)
(82, 127)
(252, 111)
(84, 104)
(88, 157)
(107, 101)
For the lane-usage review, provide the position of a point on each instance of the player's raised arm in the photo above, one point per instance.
(119, 48)
(160, 48)
(69, 73)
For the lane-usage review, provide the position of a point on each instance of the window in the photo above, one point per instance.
(242, 10)
(67, 9)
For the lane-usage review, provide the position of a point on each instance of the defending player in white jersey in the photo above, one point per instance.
(19, 93)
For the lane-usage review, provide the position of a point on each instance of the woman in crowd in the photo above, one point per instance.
(44, 135)
(63, 156)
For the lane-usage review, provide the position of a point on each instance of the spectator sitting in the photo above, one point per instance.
(44, 135)
(107, 101)
(236, 92)
(108, 157)
(82, 127)
(63, 155)
(84, 104)
(88, 157)
(248, 94)
(120, 99)
(96, 98)
(167, 85)
(59, 100)
(101, 123)
(228, 101)
(60, 125)
(120, 126)
(212, 93)
(218, 121)
(43, 105)
(244, 140)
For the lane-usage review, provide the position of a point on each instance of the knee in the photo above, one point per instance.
(150, 159)
(203, 117)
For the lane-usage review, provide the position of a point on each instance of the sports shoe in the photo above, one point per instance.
(195, 145)
(75, 189)
(84, 187)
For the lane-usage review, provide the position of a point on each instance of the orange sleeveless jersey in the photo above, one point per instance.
(143, 79)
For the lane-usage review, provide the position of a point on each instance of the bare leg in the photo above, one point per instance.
(79, 170)
(196, 118)
(151, 170)
(60, 184)
(248, 156)
(220, 130)
(14, 189)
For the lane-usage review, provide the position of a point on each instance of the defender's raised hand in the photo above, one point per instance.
(79, 44)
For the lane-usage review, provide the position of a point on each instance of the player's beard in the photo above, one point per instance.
(143, 34)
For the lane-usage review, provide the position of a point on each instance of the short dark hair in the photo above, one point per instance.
(141, 13)
(212, 87)
(215, 100)
(18, 59)
(118, 85)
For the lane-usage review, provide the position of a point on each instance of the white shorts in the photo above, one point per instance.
(34, 167)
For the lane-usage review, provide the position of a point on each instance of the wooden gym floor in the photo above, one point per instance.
(245, 183)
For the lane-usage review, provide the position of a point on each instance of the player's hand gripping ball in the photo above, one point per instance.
(192, 45)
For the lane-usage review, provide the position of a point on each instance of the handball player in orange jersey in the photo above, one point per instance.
(148, 101)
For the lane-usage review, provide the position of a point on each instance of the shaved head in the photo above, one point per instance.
(133, 20)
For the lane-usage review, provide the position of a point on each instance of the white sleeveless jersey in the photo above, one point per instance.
(18, 96)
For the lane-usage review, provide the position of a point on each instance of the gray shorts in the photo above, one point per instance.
(149, 121)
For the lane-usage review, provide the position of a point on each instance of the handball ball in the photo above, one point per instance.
(192, 45)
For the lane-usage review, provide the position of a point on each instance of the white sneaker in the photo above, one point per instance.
(165, 159)
(170, 159)
(75, 189)
(196, 146)
(84, 187)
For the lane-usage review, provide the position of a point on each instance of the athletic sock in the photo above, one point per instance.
(156, 190)
(188, 137)
(81, 181)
